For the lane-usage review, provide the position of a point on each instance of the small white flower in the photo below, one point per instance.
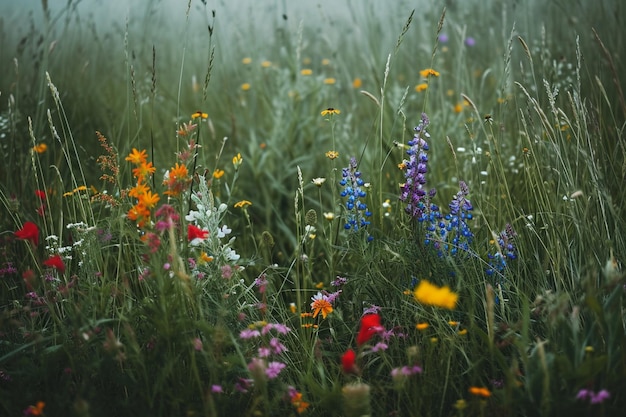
(318, 181)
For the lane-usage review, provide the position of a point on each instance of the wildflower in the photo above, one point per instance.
(40, 148)
(421, 87)
(592, 397)
(292, 308)
(422, 326)
(453, 233)
(200, 115)
(273, 369)
(330, 111)
(318, 181)
(197, 344)
(296, 400)
(242, 204)
(176, 179)
(370, 325)
(218, 173)
(205, 258)
(460, 404)
(321, 304)
(55, 262)
(429, 294)
(196, 235)
(186, 129)
(329, 216)
(353, 191)
(480, 392)
(425, 73)
(217, 389)
(325, 61)
(249, 334)
(357, 83)
(469, 41)
(246, 61)
(143, 170)
(412, 191)
(306, 71)
(137, 157)
(149, 199)
(266, 64)
(348, 361)
(380, 346)
(237, 161)
(443, 38)
(245, 86)
(30, 232)
(35, 410)
(332, 155)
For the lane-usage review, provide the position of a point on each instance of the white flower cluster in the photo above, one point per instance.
(210, 218)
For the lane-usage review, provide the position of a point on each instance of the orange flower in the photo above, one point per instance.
(36, 410)
(176, 179)
(149, 199)
(480, 392)
(320, 305)
(145, 169)
(137, 157)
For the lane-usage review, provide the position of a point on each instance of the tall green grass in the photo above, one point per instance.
(142, 321)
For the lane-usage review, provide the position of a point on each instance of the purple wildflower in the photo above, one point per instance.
(273, 369)
(469, 41)
(249, 333)
(412, 192)
(276, 346)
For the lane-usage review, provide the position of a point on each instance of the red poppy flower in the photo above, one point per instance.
(194, 232)
(55, 262)
(347, 361)
(29, 231)
(41, 194)
(370, 325)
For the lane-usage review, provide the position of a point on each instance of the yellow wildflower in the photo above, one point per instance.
(425, 73)
(421, 87)
(242, 204)
(429, 294)
(330, 111)
(332, 155)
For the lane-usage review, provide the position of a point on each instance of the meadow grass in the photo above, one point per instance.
(412, 212)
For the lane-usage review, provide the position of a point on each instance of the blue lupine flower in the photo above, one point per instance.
(498, 261)
(355, 198)
(412, 191)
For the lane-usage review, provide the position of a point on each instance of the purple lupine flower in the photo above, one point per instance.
(412, 192)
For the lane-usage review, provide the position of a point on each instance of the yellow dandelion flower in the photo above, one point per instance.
(329, 81)
(422, 326)
(332, 155)
(330, 111)
(319, 285)
(266, 64)
(245, 86)
(306, 71)
(325, 61)
(462, 332)
(429, 294)
(458, 108)
(246, 61)
(357, 83)
(421, 87)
